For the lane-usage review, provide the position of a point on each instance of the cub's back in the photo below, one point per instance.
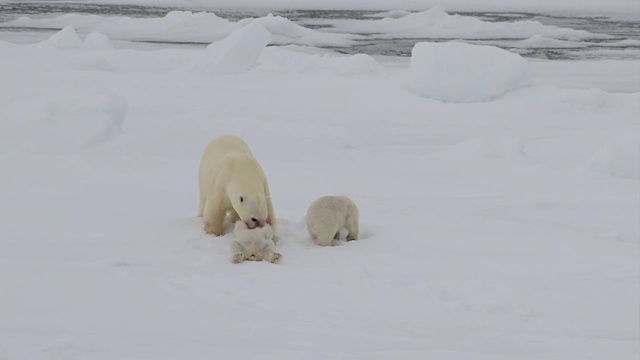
(328, 209)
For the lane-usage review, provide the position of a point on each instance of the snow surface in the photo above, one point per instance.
(504, 229)
(459, 72)
(291, 60)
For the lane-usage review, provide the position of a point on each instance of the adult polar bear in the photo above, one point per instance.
(232, 180)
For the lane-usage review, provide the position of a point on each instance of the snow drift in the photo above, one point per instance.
(611, 161)
(67, 38)
(234, 54)
(61, 123)
(459, 72)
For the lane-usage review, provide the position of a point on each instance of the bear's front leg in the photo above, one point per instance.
(213, 217)
(233, 216)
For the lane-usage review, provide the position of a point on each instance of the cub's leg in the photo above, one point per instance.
(325, 237)
(267, 252)
(352, 226)
(238, 253)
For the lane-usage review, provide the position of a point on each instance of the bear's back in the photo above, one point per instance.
(228, 149)
(226, 144)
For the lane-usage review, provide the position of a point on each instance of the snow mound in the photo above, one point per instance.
(234, 54)
(67, 122)
(459, 72)
(67, 38)
(97, 41)
(281, 59)
(609, 160)
(286, 32)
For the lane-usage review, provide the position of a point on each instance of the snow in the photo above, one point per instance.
(459, 72)
(609, 75)
(63, 122)
(611, 161)
(287, 59)
(502, 229)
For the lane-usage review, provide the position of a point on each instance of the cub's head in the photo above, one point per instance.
(241, 229)
(252, 208)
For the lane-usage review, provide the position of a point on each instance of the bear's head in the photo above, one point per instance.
(251, 205)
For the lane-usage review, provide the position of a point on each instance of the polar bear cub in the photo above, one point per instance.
(253, 244)
(328, 215)
(232, 181)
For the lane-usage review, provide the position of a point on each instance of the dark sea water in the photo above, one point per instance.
(372, 45)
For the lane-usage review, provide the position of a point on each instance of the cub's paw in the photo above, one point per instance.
(237, 258)
(276, 257)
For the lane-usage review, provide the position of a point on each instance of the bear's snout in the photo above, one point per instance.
(254, 223)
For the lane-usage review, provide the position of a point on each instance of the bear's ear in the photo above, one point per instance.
(241, 199)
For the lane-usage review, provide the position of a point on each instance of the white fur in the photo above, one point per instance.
(232, 180)
(253, 244)
(328, 215)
